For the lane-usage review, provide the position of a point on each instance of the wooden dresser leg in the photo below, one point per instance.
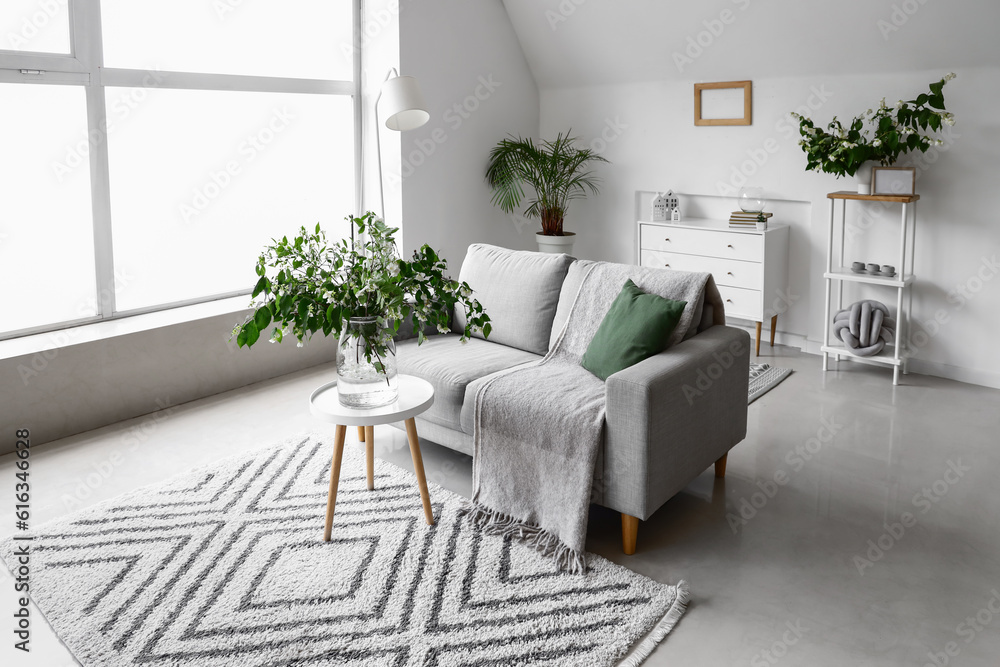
(758, 337)
(361, 434)
(630, 532)
(774, 325)
(720, 466)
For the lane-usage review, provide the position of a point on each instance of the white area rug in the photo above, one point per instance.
(764, 378)
(226, 566)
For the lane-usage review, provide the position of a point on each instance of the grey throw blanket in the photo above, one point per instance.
(539, 428)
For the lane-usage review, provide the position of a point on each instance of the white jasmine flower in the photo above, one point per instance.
(938, 142)
(948, 118)
(881, 105)
(899, 104)
(393, 269)
(464, 341)
(442, 329)
(877, 143)
(949, 76)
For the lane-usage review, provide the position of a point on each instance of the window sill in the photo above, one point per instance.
(95, 331)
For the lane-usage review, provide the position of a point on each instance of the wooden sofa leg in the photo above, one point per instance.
(630, 531)
(361, 434)
(720, 466)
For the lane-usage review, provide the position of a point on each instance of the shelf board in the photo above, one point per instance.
(868, 279)
(899, 199)
(884, 358)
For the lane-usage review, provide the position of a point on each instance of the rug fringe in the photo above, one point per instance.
(662, 629)
(493, 522)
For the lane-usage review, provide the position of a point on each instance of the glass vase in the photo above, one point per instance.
(366, 364)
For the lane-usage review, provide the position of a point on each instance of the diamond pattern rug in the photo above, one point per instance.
(226, 566)
(764, 378)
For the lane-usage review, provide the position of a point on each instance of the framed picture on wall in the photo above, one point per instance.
(894, 180)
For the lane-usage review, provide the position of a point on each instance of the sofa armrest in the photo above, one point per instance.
(671, 416)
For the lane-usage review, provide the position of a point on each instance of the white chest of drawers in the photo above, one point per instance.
(750, 267)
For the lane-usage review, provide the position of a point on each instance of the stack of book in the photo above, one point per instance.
(744, 220)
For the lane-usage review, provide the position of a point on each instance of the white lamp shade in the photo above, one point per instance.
(402, 104)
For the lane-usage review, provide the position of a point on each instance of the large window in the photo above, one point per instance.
(151, 148)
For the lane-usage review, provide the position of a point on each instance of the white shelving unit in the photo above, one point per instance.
(897, 354)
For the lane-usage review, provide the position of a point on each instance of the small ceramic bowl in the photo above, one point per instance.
(858, 266)
(888, 269)
(873, 268)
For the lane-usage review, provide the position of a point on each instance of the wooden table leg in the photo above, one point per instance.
(370, 455)
(418, 468)
(774, 325)
(758, 337)
(361, 434)
(331, 498)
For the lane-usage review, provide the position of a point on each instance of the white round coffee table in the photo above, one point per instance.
(415, 396)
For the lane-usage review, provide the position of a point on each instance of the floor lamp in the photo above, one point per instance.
(404, 109)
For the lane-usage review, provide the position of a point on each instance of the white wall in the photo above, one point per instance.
(478, 88)
(658, 147)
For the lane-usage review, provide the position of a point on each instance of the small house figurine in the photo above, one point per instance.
(671, 200)
(675, 214)
(660, 212)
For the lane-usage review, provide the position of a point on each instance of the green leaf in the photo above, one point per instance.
(252, 333)
(259, 287)
(241, 337)
(487, 328)
(262, 318)
(277, 335)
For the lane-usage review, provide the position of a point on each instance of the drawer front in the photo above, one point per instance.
(731, 272)
(727, 245)
(742, 303)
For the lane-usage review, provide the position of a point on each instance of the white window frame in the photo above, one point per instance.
(84, 66)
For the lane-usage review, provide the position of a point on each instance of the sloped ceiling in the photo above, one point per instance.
(571, 43)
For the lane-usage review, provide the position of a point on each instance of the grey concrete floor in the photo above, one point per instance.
(801, 556)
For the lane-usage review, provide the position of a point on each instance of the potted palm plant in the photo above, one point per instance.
(557, 171)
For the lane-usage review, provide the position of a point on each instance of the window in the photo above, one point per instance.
(151, 149)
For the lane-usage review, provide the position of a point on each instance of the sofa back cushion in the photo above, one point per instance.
(519, 290)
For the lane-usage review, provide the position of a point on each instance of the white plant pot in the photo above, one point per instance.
(556, 244)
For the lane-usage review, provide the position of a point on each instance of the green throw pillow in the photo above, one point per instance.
(637, 326)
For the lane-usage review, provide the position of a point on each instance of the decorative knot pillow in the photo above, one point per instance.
(865, 327)
(637, 326)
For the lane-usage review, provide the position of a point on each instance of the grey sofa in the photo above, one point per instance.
(668, 418)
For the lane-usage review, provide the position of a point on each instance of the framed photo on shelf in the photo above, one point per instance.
(894, 180)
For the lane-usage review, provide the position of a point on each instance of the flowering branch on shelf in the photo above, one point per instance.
(880, 135)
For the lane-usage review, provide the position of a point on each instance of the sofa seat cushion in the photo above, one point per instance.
(519, 290)
(450, 366)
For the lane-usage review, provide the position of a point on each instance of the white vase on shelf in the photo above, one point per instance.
(863, 176)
